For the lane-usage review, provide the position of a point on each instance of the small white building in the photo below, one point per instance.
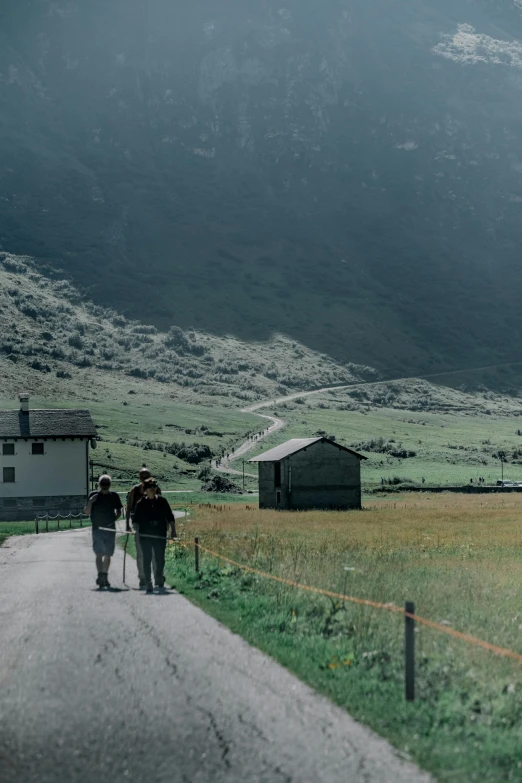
(44, 461)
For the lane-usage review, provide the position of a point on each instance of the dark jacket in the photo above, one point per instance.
(153, 517)
(134, 497)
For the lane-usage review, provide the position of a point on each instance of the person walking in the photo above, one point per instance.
(153, 517)
(104, 507)
(134, 496)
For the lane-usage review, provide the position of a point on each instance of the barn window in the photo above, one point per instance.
(9, 475)
(278, 498)
(10, 502)
(8, 449)
(277, 474)
(39, 502)
(38, 448)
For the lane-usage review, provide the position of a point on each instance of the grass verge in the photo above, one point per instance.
(8, 529)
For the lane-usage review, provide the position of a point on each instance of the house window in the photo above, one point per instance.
(278, 498)
(277, 474)
(38, 502)
(38, 448)
(9, 475)
(8, 449)
(10, 502)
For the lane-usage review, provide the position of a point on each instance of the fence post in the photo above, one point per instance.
(70, 521)
(409, 638)
(36, 525)
(47, 523)
(58, 522)
(196, 553)
(81, 521)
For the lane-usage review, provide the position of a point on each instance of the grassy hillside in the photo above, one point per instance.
(412, 430)
(153, 395)
(174, 399)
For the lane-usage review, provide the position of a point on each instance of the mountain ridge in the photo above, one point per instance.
(345, 174)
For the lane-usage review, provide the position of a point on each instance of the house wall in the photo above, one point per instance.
(60, 471)
(322, 476)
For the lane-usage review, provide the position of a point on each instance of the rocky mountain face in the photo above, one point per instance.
(346, 172)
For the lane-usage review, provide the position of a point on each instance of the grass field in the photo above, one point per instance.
(459, 558)
(456, 436)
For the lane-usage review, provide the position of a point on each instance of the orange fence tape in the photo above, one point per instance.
(365, 602)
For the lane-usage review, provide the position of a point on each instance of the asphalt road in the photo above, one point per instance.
(125, 687)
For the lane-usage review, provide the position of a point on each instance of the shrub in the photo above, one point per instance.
(75, 341)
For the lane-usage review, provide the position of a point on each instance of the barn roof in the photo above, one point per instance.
(46, 424)
(295, 445)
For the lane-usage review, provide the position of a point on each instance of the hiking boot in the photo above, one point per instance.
(149, 588)
(100, 581)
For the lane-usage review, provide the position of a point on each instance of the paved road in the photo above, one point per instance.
(125, 688)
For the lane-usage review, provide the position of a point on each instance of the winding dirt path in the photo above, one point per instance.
(224, 465)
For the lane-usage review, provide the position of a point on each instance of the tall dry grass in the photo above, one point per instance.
(458, 557)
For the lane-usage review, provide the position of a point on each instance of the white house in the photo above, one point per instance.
(44, 461)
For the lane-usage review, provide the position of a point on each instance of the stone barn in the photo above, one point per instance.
(306, 473)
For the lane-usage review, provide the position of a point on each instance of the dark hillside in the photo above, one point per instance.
(346, 173)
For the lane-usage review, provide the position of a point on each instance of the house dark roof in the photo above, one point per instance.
(46, 424)
(295, 445)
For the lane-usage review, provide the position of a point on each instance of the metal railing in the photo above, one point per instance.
(56, 518)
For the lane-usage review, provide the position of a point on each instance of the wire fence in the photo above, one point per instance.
(388, 607)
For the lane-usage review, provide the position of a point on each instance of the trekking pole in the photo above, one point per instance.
(125, 556)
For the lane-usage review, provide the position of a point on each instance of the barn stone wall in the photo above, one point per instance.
(322, 476)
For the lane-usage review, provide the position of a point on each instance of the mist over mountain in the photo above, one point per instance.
(345, 172)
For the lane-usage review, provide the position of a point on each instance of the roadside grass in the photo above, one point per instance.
(21, 528)
(459, 558)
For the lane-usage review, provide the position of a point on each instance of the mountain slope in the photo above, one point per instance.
(347, 174)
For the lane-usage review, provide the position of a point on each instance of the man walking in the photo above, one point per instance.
(152, 518)
(104, 508)
(134, 496)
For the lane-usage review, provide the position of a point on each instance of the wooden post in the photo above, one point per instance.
(196, 554)
(409, 638)
(36, 525)
(58, 522)
(70, 521)
(47, 523)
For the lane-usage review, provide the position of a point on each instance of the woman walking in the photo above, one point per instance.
(153, 517)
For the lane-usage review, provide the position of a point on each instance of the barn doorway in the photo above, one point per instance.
(277, 474)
